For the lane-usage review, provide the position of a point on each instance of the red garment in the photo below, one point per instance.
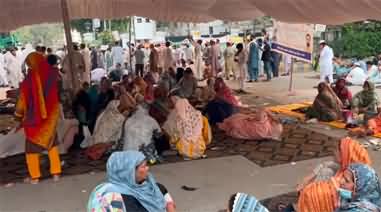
(225, 93)
(342, 92)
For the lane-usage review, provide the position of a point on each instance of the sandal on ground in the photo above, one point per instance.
(31, 181)
(56, 178)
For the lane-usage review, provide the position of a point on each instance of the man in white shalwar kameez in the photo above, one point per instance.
(3, 74)
(326, 62)
(85, 76)
(198, 58)
(13, 68)
(117, 54)
(168, 58)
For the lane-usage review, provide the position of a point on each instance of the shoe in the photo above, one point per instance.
(56, 178)
(250, 81)
(31, 181)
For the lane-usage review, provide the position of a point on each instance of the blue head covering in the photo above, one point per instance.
(121, 179)
(367, 195)
(246, 203)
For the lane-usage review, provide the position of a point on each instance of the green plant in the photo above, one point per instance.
(359, 40)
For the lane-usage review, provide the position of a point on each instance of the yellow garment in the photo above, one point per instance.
(197, 149)
(33, 163)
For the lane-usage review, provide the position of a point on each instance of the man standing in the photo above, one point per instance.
(213, 58)
(13, 68)
(326, 62)
(197, 58)
(94, 58)
(139, 61)
(266, 58)
(168, 56)
(229, 61)
(188, 53)
(86, 57)
(117, 54)
(253, 63)
(153, 59)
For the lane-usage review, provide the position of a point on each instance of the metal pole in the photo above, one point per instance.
(290, 91)
(69, 44)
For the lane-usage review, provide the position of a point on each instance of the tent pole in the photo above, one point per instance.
(69, 43)
(129, 40)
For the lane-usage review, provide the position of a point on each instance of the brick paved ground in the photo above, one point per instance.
(297, 144)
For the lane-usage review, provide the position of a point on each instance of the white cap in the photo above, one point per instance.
(322, 42)
(357, 64)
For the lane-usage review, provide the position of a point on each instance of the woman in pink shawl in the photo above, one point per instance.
(258, 126)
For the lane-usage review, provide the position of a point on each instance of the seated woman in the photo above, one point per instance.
(258, 126)
(366, 101)
(348, 151)
(318, 197)
(106, 94)
(360, 189)
(140, 86)
(149, 91)
(130, 187)
(139, 129)
(343, 93)
(108, 127)
(187, 129)
(159, 109)
(326, 106)
(186, 87)
(223, 105)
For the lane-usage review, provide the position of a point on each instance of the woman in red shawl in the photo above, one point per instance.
(38, 109)
(343, 92)
(223, 92)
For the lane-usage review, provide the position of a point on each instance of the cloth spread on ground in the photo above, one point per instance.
(258, 126)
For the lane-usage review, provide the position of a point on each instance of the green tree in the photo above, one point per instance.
(82, 25)
(359, 40)
(48, 34)
(105, 37)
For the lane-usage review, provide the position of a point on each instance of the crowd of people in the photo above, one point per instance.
(140, 105)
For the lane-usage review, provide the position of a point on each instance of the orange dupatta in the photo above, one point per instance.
(38, 102)
(351, 152)
(318, 197)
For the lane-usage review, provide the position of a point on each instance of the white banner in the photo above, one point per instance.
(295, 40)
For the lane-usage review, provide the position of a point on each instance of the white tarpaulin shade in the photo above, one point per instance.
(17, 13)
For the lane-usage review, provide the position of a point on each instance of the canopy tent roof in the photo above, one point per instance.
(17, 13)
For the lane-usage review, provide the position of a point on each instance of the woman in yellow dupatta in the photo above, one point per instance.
(188, 129)
(38, 109)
